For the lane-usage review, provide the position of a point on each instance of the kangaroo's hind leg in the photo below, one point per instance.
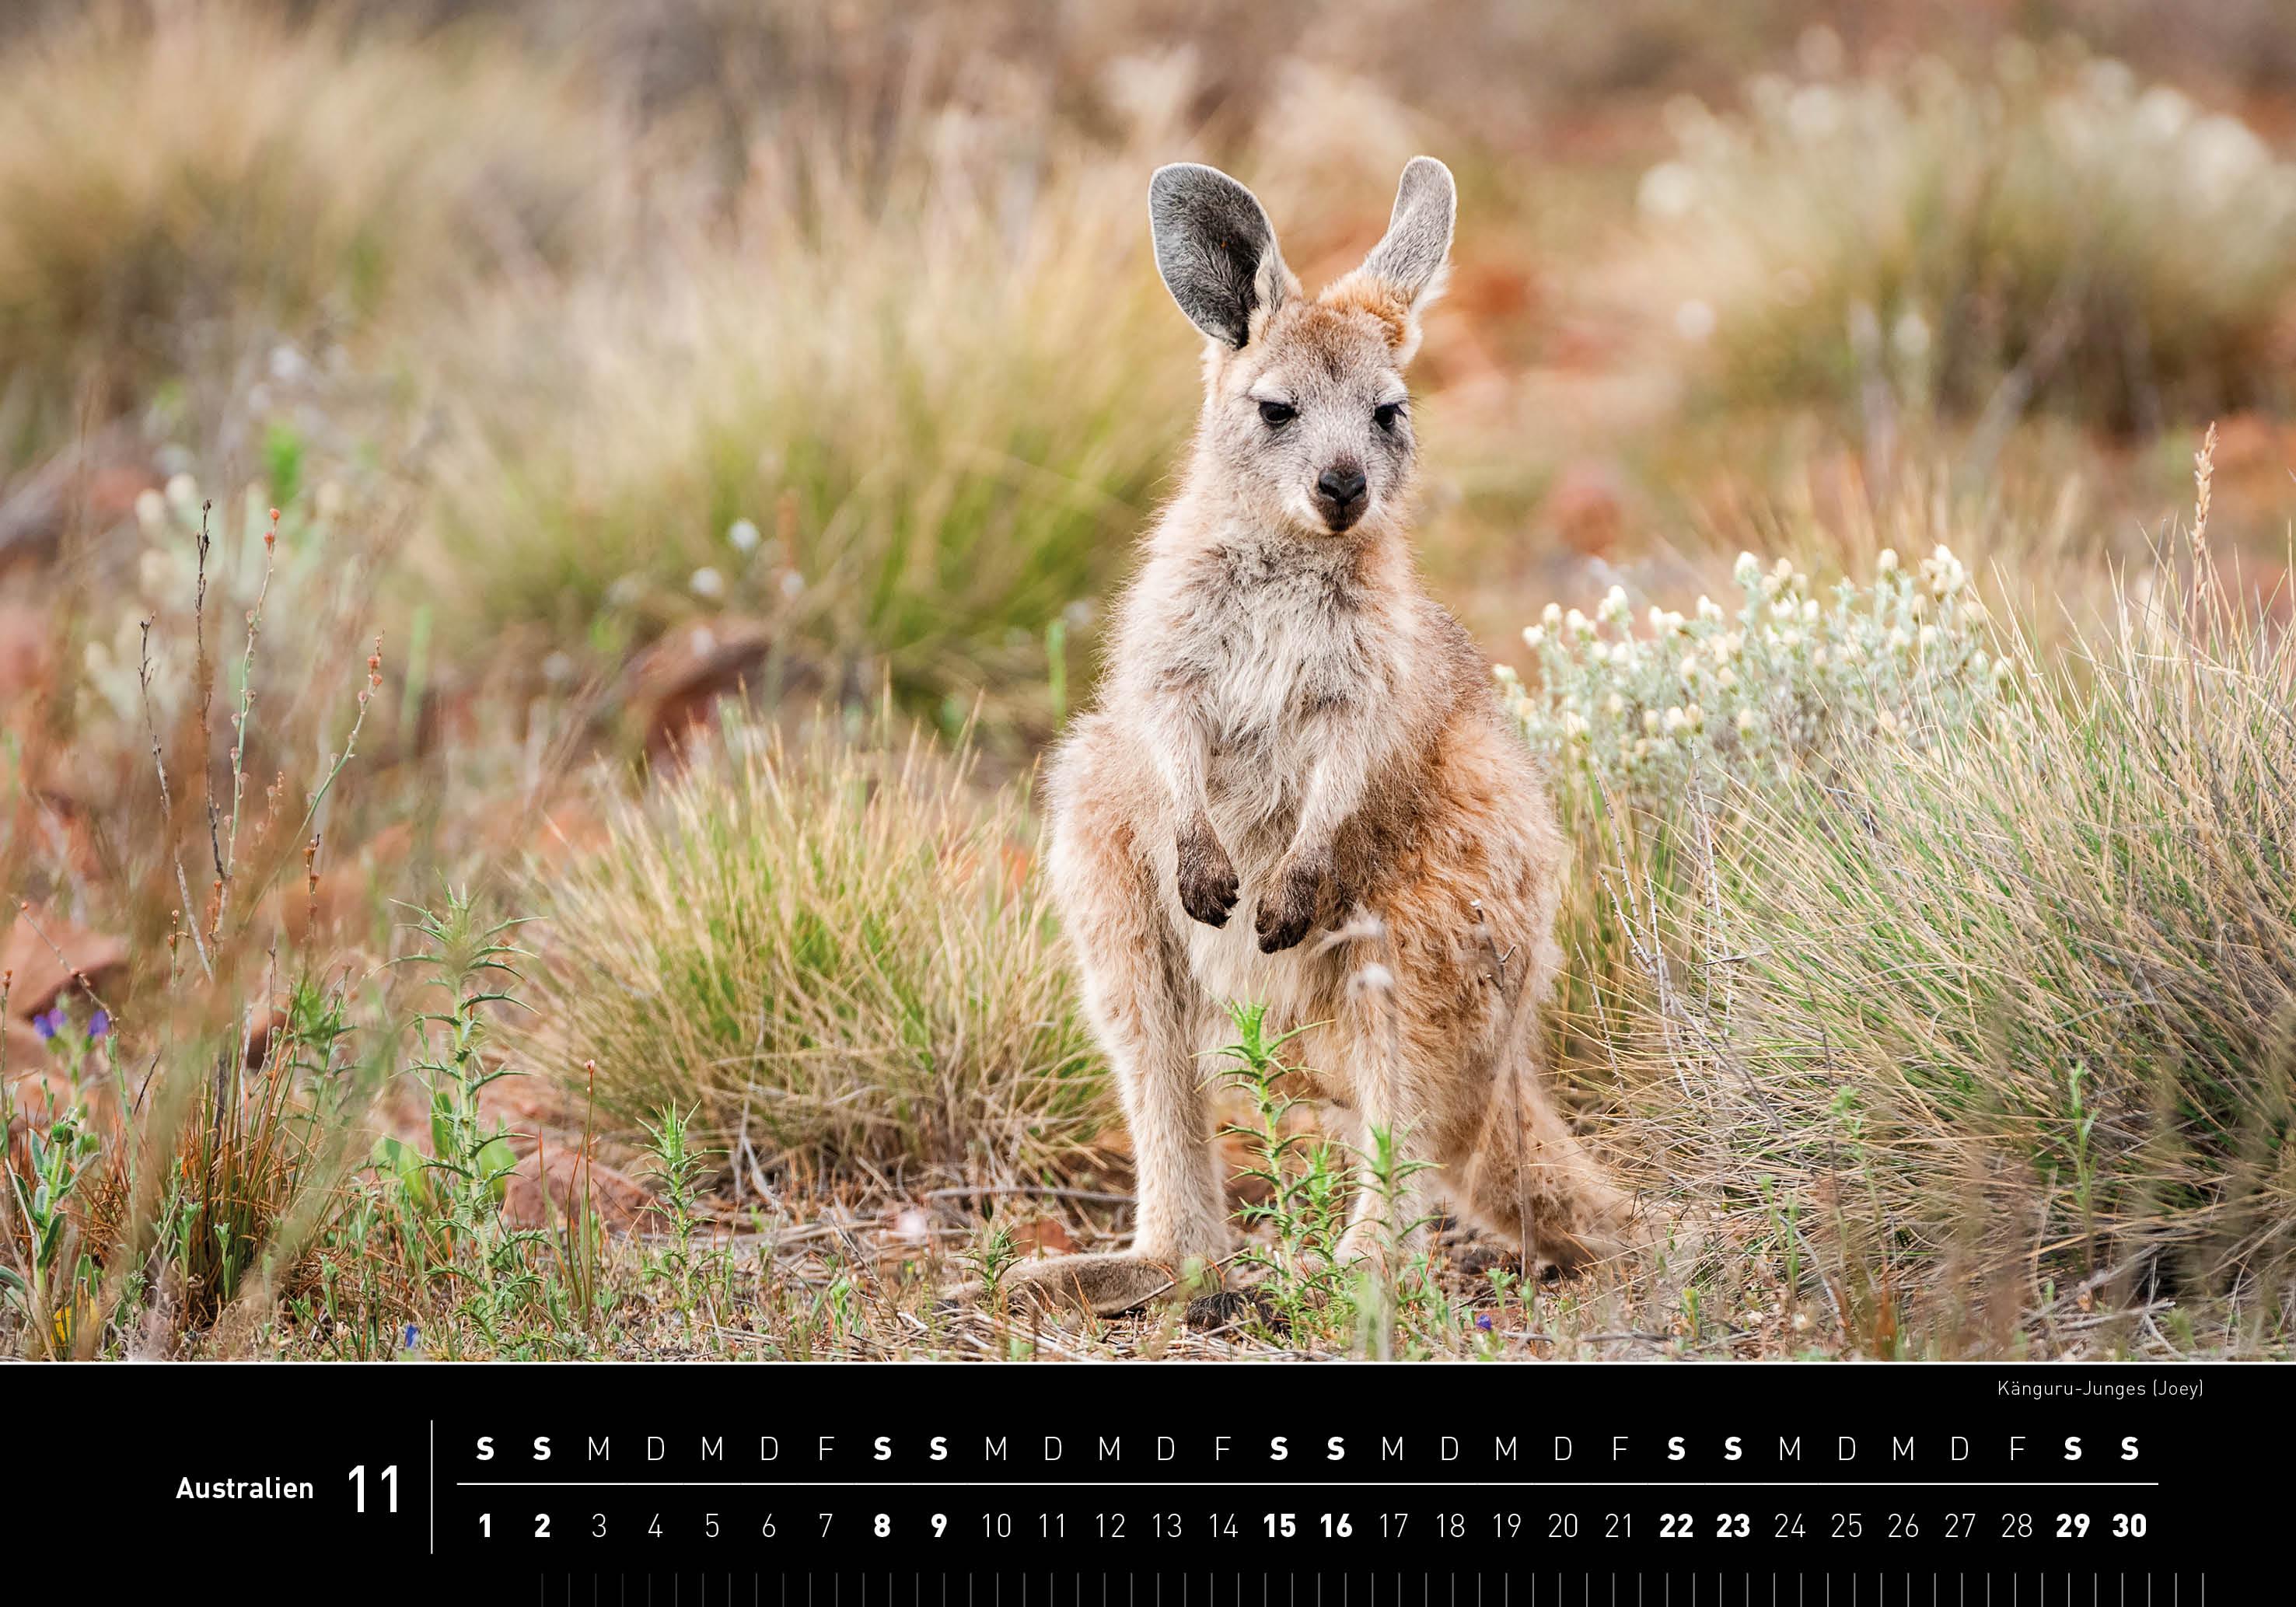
(1149, 1016)
(1395, 1157)
(1529, 1177)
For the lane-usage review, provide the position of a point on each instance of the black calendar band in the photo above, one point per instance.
(902, 1477)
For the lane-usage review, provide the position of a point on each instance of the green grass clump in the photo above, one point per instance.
(827, 951)
(2050, 234)
(913, 421)
(1653, 734)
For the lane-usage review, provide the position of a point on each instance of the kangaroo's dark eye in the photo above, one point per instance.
(1385, 414)
(1277, 414)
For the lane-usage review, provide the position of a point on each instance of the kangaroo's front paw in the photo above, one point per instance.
(1208, 883)
(1289, 906)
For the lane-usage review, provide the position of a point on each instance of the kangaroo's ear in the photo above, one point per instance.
(1410, 257)
(1217, 251)
(1406, 270)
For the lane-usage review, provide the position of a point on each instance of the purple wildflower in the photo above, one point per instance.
(99, 1023)
(1483, 1321)
(48, 1025)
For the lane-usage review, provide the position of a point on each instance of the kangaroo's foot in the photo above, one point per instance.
(1593, 1224)
(1104, 1284)
(1479, 1261)
(1227, 1308)
(1370, 1238)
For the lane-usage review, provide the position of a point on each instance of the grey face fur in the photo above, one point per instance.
(1314, 424)
(1306, 415)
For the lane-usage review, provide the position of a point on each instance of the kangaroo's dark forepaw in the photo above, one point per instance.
(1208, 881)
(1288, 908)
(1278, 930)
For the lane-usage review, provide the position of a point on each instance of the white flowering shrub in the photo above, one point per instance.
(1924, 233)
(1781, 681)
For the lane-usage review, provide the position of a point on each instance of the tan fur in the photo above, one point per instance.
(1291, 738)
(1360, 292)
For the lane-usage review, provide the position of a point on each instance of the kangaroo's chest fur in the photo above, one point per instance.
(1278, 652)
(1282, 646)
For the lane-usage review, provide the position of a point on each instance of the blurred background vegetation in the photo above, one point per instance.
(610, 365)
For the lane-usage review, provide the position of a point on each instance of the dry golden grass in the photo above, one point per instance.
(1986, 1026)
(2054, 233)
(177, 188)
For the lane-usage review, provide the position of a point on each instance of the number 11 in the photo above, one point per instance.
(390, 1478)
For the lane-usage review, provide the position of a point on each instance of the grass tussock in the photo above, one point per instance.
(176, 187)
(2061, 952)
(912, 415)
(2052, 234)
(831, 954)
(1987, 1016)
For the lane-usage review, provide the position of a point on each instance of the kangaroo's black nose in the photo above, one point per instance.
(1341, 489)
